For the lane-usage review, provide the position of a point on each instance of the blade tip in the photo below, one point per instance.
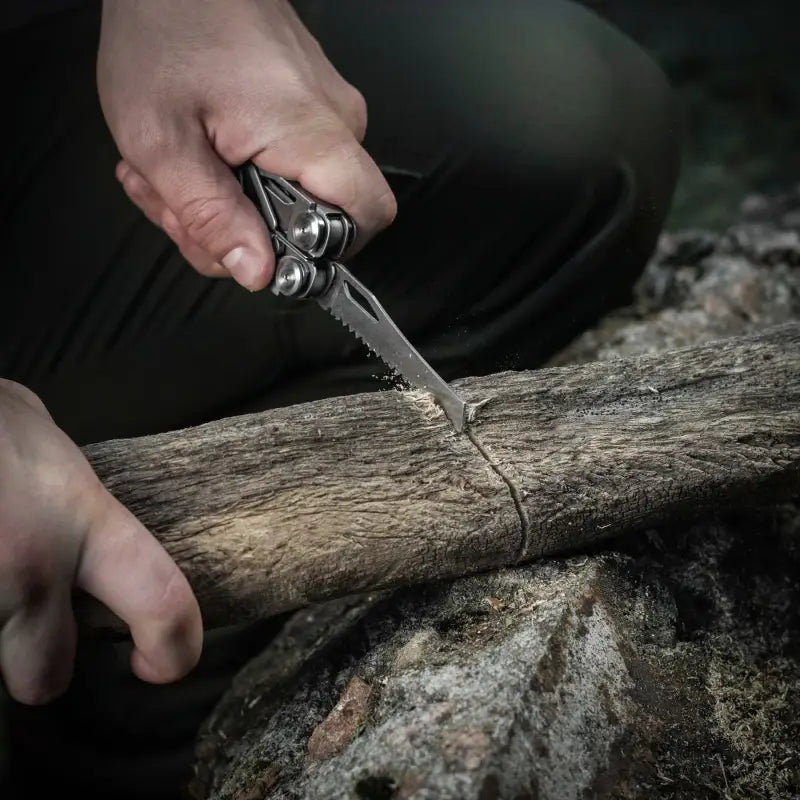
(457, 414)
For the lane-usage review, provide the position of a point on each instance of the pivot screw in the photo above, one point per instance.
(308, 230)
(290, 275)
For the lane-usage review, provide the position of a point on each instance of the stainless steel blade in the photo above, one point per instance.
(358, 309)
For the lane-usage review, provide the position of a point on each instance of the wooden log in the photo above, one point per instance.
(271, 511)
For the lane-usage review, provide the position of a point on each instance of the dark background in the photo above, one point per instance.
(736, 67)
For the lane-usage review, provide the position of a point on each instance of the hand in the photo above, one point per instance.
(191, 88)
(59, 528)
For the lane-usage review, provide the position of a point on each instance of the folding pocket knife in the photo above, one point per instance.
(308, 237)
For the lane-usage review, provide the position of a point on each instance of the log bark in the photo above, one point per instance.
(271, 511)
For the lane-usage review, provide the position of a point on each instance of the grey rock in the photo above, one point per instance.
(701, 285)
(666, 668)
(466, 719)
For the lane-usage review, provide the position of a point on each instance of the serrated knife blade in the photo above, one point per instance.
(349, 301)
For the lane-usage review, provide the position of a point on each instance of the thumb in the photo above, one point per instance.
(202, 193)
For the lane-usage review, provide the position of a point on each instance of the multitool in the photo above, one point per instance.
(309, 236)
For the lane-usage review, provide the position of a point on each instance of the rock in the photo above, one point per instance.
(700, 285)
(648, 671)
(422, 645)
(463, 721)
(661, 666)
(342, 725)
(260, 785)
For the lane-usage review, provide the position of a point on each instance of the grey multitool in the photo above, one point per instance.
(309, 236)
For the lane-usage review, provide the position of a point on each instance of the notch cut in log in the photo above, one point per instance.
(268, 512)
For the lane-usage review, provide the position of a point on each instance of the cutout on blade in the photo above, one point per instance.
(358, 298)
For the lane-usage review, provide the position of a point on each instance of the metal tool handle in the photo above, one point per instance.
(317, 229)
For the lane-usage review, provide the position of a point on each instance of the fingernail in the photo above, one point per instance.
(245, 266)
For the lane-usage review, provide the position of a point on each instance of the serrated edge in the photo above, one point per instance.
(395, 369)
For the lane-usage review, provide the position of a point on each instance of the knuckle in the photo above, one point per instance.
(346, 191)
(134, 187)
(206, 220)
(175, 620)
(144, 139)
(387, 208)
(23, 394)
(357, 111)
(338, 169)
(81, 488)
(174, 606)
(133, 181)
(350, 179)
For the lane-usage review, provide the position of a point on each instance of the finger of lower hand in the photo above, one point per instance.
(37, 648)
(124, 567)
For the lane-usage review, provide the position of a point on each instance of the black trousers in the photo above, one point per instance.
(533, 150)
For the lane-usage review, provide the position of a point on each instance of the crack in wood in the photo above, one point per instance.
(516, 497)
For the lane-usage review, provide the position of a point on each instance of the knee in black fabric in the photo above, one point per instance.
(550, 86)
(563, 144)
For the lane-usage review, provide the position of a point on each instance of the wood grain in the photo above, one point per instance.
(271, 511)
(595, 450)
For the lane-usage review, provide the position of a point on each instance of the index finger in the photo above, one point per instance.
(329, 162)
(128, 570)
